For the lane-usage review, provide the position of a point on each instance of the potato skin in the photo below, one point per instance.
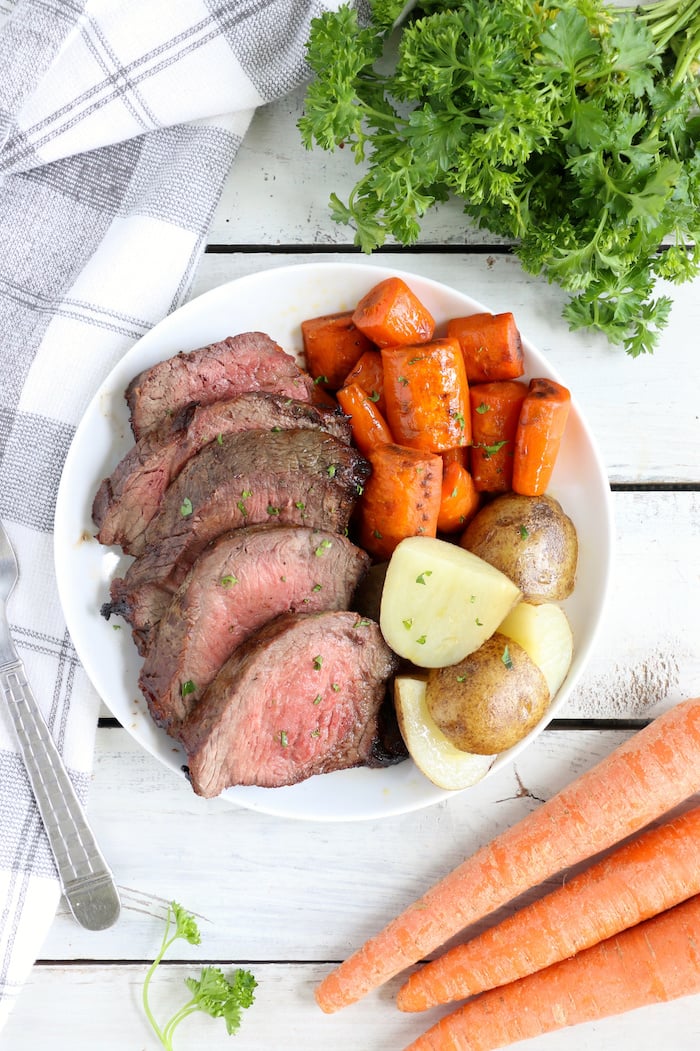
(488, 703)
(531, 540)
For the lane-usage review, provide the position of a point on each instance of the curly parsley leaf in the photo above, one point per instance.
(212, 993)
(567, 127)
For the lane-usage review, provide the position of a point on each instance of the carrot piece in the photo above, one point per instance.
(368, 373)
(391, 315)
(655, 770)
(491, 345)
(459, 501)
(654, 962)
(368, 426)
(644, 877)
(427, 396)
(460, 455)
(332, 345)
(495, 411)
(543, 417)
(401, 498)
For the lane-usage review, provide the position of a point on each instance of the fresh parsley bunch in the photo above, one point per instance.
(566, 126)
(212, 993)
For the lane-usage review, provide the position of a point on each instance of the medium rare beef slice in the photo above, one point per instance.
(240, 582)
(299, 697)
(296, 477)
(127, 501)
(249, 361)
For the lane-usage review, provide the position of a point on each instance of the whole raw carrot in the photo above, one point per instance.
(333, 344)
(368, 426)
(426, 395)
(391, 315)
(495, 411)
(645, 876)
(369, 374)
(491, 345)
(459, 500)
(401, 498)
(656, 961)
(655, 770)
(543, 416)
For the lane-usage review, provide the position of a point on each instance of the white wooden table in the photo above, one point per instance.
(288, 898)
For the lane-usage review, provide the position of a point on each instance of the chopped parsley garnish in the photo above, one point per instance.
(186, 507)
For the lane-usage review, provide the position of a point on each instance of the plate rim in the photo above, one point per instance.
(241, 795)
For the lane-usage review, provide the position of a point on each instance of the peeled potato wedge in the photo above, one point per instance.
(544, 633)
(440, 602)
(435, 756)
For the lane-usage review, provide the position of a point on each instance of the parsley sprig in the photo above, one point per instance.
(212, 993)
(567, 127)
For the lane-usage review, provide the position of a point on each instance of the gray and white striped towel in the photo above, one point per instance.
(119, 120)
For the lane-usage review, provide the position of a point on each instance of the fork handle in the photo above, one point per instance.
(87, 882)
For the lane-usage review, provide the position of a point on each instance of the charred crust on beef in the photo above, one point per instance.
(127, 501)
(300, 697)
(248, 361)
(241, 581)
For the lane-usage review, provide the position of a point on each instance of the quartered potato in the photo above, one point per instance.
(434, 755)
(544, 633)
(440, 602)
(531, 540)
(491, 699)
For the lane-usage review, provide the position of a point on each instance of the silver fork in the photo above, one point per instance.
(88, 884)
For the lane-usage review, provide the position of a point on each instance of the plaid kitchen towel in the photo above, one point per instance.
(119, 120)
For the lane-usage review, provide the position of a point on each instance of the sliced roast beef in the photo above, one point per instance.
(249, 361)
(241, 581)
(300, 697)
(127, 501)
(295, 477)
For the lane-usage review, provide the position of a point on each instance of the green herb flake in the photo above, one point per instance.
(422, 639)
(524, 532)
(459, 417)
(228, 581)
(318, 698)
(420, 579)
(187, 688)
(460, 678)
(362, 623)
(374, 396)
(317, 587)
(323, 547)
(479, 623)
(186, 507)
(300, 505)
(315, 733)
(403, 380)
(284, 740)
(332, 470)
(408, 623)
(335, 686)
(273, 511)
(219, 439)
(377, 535)
(321, 379)
(506, 658)
(482, 408)
(318, 662)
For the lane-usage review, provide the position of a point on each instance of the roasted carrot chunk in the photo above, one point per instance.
(392, 316)
(401, 498)
(332, 345)
(459, 499)
(427, 395)
(495, 411)
(541, 426)
(491, 346)
(460, 455)
(368, 426)
(368, 373)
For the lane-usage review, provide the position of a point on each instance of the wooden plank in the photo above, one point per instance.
(267, 888)
(99, 1007)
(643, 415)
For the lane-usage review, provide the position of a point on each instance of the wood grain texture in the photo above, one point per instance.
(102, 1004)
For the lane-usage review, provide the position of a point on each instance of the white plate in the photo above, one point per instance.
(276, 301)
